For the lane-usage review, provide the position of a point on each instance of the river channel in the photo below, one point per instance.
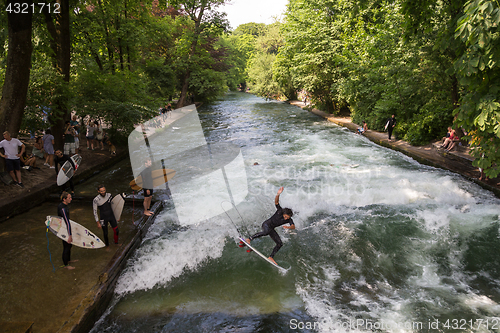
(382, 243)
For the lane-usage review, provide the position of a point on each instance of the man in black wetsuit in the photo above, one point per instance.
(103, 202)
(63, 211)
(60, 159)
(391, 123)
(282, 216)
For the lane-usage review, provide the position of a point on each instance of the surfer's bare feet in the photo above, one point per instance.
(148, 213)
(69, 267)
(270, 258)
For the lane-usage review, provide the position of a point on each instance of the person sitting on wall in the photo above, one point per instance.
(363, 129)
(447, 141)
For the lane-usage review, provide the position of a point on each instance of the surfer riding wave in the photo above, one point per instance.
(282, 216)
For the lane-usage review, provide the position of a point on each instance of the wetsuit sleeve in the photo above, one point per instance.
(66, 220)
(278, 207)
(291, 222)
(94, 208)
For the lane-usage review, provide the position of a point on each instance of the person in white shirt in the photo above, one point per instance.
(12, 162)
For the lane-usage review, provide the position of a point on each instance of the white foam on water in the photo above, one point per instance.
(481, 303)
(313, 165)
(161, 259)
(318, 180)
(379, 310)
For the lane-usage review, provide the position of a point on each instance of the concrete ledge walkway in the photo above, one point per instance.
(456, 161)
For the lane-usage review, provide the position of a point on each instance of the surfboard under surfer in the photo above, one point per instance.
(282, 216)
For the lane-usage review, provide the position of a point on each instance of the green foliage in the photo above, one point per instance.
(207, 84)
(240, 48)
(251, 29)
(120, 99)
(353, 54)
(46, 88)
(162, 81)
(262, 80)
(311, 59)
(479, 73)
(429, 124)
(261, 76)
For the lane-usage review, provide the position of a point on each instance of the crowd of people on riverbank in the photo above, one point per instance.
(28, 155)
(25, 154)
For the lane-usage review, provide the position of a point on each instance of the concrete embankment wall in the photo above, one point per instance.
(97, 300)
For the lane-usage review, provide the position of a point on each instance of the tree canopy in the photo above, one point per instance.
(432, 63)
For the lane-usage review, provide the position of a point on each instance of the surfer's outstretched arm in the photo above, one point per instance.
(277, 198)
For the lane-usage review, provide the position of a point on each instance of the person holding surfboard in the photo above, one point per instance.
(391, 123)
(147, 180)
(60, 159)
(282, 216)
(63, 211)
(103, 202)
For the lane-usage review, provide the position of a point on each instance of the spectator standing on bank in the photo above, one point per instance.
(69, 139)
(163, 110)
(99, 135)
(76, 127)
(90, 134)
(12, 156)
(391, 123)
(48, 146)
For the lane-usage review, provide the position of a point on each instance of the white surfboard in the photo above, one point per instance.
(67, 171)
(82, 237)
(261, 255)
(117, 206)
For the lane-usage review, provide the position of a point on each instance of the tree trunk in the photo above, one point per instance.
(185, 84)
(109, 45)
(197, 32)
(17, 74)
(455, 95)
(61, 46)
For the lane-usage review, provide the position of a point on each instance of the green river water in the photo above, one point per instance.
(383, 243)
